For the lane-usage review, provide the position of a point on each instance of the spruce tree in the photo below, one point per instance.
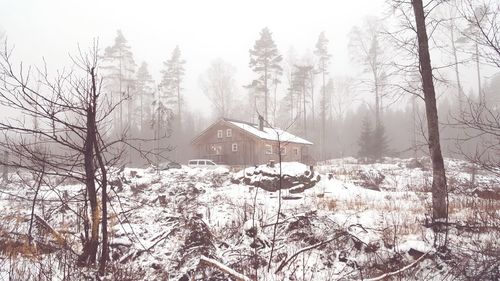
(379, 142)
(265, 61)
(365, 139)
(173, 75)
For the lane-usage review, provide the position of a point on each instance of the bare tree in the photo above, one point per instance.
(439, 189)
(453, 42)
(218, 85)
(483, 17)
(366, 46)
(480, 121)
(72, 127)
(418, 76)
(2, 37)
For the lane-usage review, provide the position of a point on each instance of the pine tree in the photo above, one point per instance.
(118, 73)
(292, 97)
(145, 90)
(301, 78)
(265, 61)
(323, 61)
(173, 75)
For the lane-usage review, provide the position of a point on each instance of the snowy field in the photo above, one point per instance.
(342, 221)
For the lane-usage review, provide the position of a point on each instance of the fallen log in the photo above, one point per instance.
(204, 261)
(59, 238)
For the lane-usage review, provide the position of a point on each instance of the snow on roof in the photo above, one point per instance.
(269, 133)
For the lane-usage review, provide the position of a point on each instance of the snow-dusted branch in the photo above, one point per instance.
(388, 274)
(287, 261)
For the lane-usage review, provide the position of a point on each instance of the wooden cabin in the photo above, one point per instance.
(238, 143)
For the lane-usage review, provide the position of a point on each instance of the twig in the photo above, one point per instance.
(384, 276)
(284, 263)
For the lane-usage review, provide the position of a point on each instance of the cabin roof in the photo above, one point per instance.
(273, 134)
(253, 129)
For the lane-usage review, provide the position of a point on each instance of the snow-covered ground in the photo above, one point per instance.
(356, 221)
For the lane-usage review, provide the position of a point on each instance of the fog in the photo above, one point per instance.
(207, 31)
(204, 30)
(249, 140)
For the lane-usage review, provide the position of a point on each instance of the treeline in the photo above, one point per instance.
(378, 112)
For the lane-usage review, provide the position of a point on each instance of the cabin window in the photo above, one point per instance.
(283, 150)
(218, 150)
(219, 134)
(229, 133)
(295, 151)
(234, 147)
(269, 149)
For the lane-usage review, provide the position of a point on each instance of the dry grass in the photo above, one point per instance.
(329, 204)
(466, 204)
(399, 216)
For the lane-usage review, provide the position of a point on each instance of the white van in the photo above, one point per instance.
(202, 163)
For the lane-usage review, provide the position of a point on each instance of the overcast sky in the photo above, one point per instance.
(204, 30)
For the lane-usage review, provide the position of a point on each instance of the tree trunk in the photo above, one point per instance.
(457, 73)
(377, 98)
(104, 200)
(129, 121)
(120, 94)
(312, 99)
(439, 191)
(323, 117)
(33, 203)
(104, 183)
(5, 173)
(304, 103)
(142, 113)
(478, 70)
(89, 254)
(275, 103)
(265, 90)
(179, 103)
